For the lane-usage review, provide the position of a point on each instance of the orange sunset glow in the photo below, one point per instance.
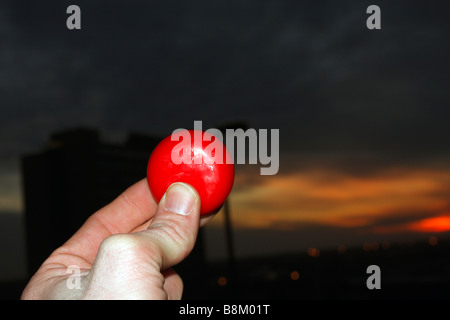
(435, 224)
(416, 201)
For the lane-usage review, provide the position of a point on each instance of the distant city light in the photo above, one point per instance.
(222, 281)
(295, 275)
(341, 249)
(433, 240)
(313, 252)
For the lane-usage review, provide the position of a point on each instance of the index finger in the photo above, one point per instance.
(128, 211)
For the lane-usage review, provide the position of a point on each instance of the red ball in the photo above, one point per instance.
(197, 158)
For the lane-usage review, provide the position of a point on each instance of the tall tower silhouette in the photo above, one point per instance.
(231, 254)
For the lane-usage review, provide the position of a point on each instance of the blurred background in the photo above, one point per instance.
(364, 137)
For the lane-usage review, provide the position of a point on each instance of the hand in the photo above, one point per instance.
(126, 249)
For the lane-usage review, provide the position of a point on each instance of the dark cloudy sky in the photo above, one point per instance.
(313, 70)
(342, 95)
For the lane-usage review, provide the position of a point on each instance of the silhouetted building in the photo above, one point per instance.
(74, 176)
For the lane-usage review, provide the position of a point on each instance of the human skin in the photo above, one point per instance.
(126, 249)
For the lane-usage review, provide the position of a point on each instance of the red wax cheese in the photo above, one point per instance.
(194, 157)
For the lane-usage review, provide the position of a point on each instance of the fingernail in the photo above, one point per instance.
(179, 198)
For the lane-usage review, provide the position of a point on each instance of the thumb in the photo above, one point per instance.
(174, 227)
(128, 264)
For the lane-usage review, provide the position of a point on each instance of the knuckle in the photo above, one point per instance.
(119, 242)
(129, 254)
(171, 231)
(121, 247)
(130, 203)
